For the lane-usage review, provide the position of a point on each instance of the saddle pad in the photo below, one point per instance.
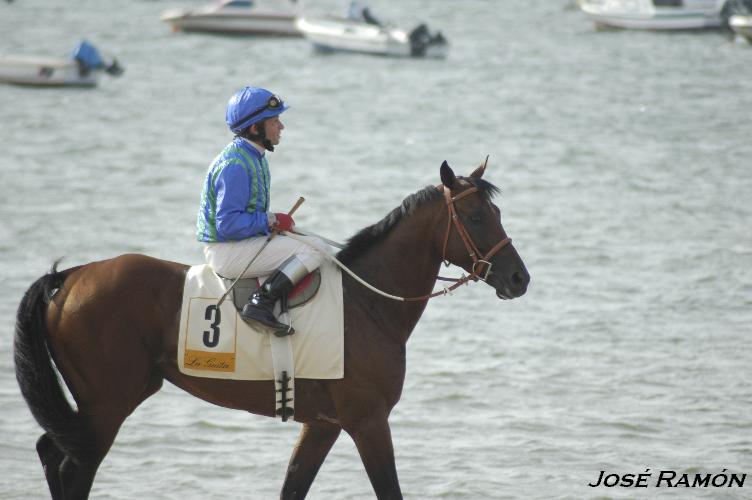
(217, 343)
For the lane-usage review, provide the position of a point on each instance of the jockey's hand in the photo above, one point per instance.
(283, 222)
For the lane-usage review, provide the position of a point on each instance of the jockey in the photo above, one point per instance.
(234, 218)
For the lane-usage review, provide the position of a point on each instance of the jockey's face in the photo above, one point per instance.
(273, 129)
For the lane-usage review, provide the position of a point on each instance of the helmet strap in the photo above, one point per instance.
(260, 136)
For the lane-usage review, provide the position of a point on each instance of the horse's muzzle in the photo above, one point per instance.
(511, 286)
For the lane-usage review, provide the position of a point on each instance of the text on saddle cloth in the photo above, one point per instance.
(215, 342)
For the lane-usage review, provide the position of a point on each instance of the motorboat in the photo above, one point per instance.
(236, 17)
(654, 14)
(742, 25)
(82, 69)
(335, 33)
(738, 16)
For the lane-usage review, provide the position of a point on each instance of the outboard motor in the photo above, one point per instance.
(87, 57)
(114, 68)
(421, 39)
(735, 7)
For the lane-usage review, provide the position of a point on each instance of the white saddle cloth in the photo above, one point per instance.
(219, 344)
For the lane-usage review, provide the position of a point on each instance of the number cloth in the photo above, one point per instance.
(216, 343)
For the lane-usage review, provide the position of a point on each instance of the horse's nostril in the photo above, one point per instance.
(517, 279)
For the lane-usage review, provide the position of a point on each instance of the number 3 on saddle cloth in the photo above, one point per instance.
(216, 343)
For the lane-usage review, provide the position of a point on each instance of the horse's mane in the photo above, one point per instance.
(371, 235)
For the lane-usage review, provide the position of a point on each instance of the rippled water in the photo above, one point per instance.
(623, 163)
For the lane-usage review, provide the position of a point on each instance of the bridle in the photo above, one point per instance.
(470, 246)
(477, 271)
(472, 249)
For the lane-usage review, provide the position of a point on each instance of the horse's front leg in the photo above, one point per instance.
(313, 445)
(374, 442)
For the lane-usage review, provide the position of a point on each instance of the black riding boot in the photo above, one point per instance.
(260, 306)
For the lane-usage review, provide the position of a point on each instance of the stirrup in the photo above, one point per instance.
(284, 333)
(266, 319)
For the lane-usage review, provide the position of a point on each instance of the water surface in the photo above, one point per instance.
(622, 159)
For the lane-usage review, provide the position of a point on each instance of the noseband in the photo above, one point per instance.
(477, 271)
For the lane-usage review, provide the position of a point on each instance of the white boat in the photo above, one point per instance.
(236, 17)
(654, 14)
(332, 33)
(742, 25)
(82, 69)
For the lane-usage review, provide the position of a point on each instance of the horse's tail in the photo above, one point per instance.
(36, 375)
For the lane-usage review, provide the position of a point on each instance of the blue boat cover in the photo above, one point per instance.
(87, 55)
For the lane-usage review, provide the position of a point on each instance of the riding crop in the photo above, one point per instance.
(268, 239)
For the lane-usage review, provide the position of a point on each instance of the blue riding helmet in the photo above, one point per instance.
(250, 105)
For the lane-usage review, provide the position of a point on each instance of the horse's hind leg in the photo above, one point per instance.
(76, 478)
(66, 478)
(77, 474)
(51, 457)
(313, 445)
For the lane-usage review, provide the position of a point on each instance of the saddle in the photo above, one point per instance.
(299, 295)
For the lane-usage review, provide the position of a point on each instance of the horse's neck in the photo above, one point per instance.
(404, 264)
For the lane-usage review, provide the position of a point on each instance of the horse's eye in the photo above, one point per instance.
(476, 217)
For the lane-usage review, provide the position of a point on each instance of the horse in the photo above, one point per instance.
(111, 329)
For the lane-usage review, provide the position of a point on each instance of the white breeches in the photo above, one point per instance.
(228, 259)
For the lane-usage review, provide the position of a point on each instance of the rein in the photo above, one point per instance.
(472, 249)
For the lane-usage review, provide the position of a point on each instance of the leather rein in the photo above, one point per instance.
(477, 271)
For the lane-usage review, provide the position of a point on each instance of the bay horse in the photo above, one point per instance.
(111, 328)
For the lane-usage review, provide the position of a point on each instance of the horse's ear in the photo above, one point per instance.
(447, 175)
(478, 172)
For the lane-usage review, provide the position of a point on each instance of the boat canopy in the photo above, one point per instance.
(246, 4)
(87, 55)
(88, 58)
